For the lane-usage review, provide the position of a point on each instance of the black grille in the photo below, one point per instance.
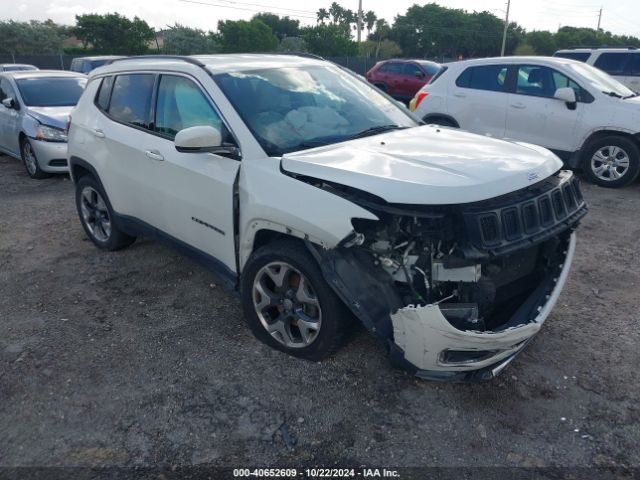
(530, 217)
(511, 223)
(489, 229)
(546, 215)
(558, 203)
(527, 216)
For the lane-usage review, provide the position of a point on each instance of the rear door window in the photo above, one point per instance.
(484, 77)
(412, 70)
(392, 68)
(131, 99)
(104, 94)
(633, 67)
(614, 63)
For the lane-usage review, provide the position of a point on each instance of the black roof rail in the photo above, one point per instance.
(622, 47)
(191, 60)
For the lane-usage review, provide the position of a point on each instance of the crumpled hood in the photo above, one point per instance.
(427, 165)
(51, 116)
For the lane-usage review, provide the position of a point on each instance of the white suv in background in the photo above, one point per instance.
(589, 119)
(315, 194)
(623, 64)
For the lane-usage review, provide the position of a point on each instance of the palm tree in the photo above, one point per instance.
(336, 11)
(322, 15)
(370, 19)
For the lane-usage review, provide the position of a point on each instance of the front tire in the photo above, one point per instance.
(97, 216)
(288, 305)
(612, 162)
(443, 122)
(30, 161)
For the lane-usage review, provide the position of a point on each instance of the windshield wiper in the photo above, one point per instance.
(375, 131)
(613, 94)
(633, 95)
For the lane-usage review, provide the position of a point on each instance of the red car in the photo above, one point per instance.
(402, 78)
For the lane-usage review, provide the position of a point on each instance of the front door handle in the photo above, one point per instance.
(518, 105)
(154, 155)
(98, 133)
(459, 95)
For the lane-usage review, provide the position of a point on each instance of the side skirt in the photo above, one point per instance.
(135, 227)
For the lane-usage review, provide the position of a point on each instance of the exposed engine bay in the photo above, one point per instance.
(474, 270)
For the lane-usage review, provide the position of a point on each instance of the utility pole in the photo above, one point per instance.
(506, 26)
(359, 20)
(599, 19)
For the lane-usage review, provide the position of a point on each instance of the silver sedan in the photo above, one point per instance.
(34, 109)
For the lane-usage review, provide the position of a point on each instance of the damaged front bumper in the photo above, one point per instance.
(422, 341)
(436, 350)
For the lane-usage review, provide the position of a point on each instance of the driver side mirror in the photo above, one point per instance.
(10, 103)
(419, 75)
(203, 139)
(567, 95)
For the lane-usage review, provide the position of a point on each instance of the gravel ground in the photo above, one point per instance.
(140, 358)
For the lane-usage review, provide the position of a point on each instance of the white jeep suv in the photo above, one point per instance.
(585, 116)
(320, 199)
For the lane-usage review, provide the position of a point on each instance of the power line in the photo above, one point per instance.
(285, 10)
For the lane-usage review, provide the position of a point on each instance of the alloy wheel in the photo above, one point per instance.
(287, 305)
(95, 214)
(29, 158)
(610, 163)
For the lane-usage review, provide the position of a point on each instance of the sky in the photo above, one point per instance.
(618, 16)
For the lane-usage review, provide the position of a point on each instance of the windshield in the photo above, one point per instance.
(51, 92)
(600, 80)
(289, 109)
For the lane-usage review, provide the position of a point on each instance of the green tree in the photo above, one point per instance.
(432, 30)
(33, 37)
(331, 40)
(241, 36)
(542, 42)
(379, 50)
(370, 19)
(524, 49)
(322, 15)
(292, 44)
(113, 33)
(182, 40)
(281, 27)
(336, 12)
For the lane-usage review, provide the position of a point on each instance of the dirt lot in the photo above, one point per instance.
(140, 357)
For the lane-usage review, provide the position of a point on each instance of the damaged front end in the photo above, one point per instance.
(456, 291)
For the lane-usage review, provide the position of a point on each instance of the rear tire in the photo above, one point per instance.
(288, 305)
(612, 161)
(30, 161)
(96, 216)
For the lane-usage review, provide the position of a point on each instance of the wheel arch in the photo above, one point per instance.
(609, 132)
(429, 118)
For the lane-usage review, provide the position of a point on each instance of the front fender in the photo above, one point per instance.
(273, 201)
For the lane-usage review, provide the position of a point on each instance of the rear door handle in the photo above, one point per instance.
(459, 95)
(154, 155)
(518, 105)
(98, 133)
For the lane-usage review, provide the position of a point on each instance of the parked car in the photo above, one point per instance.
(13, 67)
(319, 198)
(623, 64)
(87, 64)
(34, 108)
(585, 116)
(402, 78)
